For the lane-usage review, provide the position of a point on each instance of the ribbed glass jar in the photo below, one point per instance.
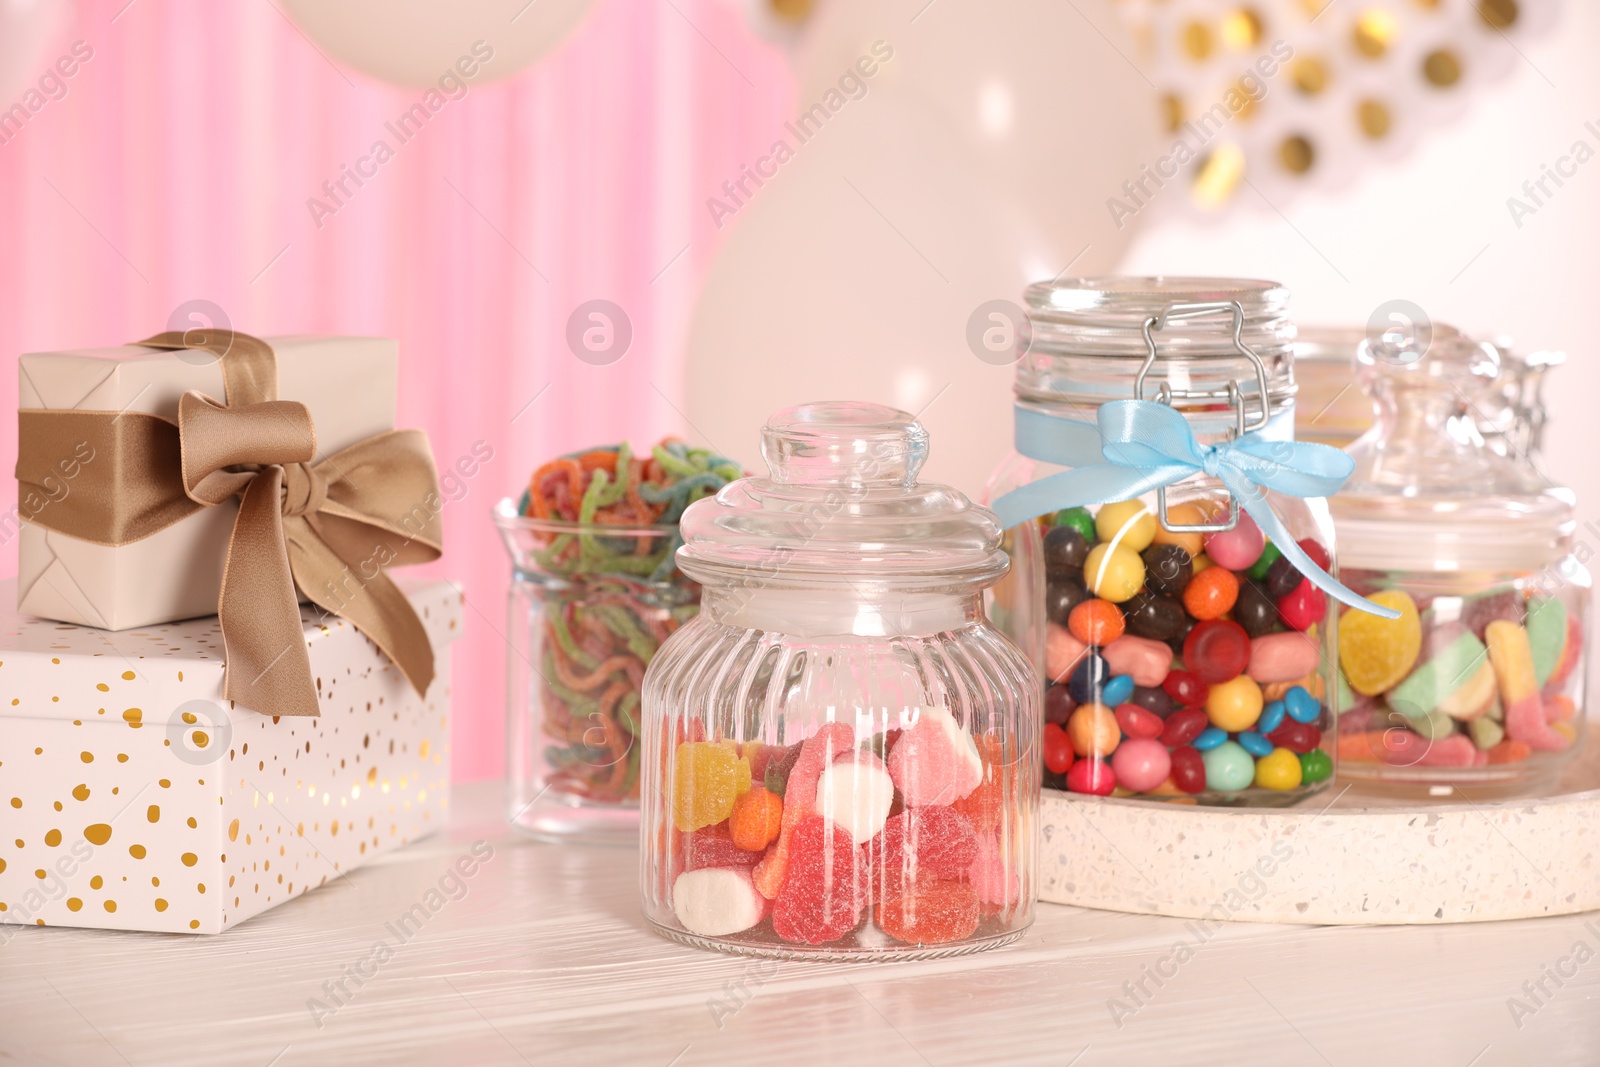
(1162, 681)
(841, 754)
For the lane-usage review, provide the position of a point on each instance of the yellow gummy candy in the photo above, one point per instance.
(1376, 654)
(1512, 656)
(707, 777)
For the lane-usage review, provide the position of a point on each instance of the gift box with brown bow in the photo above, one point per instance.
(260, 482)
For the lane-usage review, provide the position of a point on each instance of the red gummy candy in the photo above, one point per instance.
(832, 740)
(1304, 607)
(823, 890)
(921, 844)
(1217, 650)
(713, 846)
(985, 806)
(931, 913)
(1188, 769)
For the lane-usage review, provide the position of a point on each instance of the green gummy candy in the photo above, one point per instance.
(1428, 685)
(1433, 726)
(1547, 635)
(1497, 711)
(1345, 696)
(1258, 570)
(1079, 519)
(1486, 733)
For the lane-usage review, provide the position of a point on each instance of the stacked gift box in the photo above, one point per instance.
(213, 697)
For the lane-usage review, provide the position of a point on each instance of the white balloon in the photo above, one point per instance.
(416, 42)
(28, 28)
(853, 274)
(1047, 105)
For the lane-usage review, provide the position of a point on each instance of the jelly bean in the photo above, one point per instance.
(1282, 579)
(1285, 657)
(1058, 753)
(1116, 690)
(1296, 736)
(1238, 548)
(1303, 608)
(1094, 731)
(1096, 622)
(1279, 770)
(1089, 677)
(1209, 739)
(1153, 699)
(1136, 722)
(1547, 635)
(1145, 661)
(1186, 688)
(1183, 515)
(1188, 770)
(1217, 650)
(1168, 569)
(1301, 705)
(1062, 593)
(1228, 767)
(1234, 705)
(1254, 610)
(1058, 704)
(1154, 616)
(1376, 653)
(1141, 764)
(1211, 594)
(1129, 523)
(1078, 519)
(1113, 572)
(1315, 766)
(1253, 743)
(1269, 555)
(1062, 652)
(1065, 549)
(1271, 717)
(1512, 656)
(1183, 727)
(1091, 776)
(1316, 552)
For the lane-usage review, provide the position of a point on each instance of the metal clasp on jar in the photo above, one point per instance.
(1234, 395)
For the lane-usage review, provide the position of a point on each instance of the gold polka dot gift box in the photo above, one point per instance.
(134, 796)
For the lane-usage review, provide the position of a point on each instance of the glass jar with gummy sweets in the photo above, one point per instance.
(1482, 678)
(1183, 656)
(841, 753)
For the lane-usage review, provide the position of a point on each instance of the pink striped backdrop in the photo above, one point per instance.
(179, 164)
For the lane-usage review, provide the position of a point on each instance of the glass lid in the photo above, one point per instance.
(841, 508)
(1427, 492)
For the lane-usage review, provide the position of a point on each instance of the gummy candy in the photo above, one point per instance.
(931, 913)
(756, 819)
(707, 777)
(717, 901)
(1377, 653)
(985, 805)
(935, 761)
(799, 796)
(823, 890)
(922, 843)
(1512, 657)
(994, 880)
(713, 846)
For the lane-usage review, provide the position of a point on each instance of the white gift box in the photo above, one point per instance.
(347, 383)
(132, 797)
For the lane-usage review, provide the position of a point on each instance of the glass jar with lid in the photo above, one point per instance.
(1172, 558)
(841, 753)
(1481, 679)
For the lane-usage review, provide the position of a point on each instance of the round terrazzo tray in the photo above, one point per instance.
(1350, 855)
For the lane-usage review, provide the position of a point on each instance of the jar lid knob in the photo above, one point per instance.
(844, 443)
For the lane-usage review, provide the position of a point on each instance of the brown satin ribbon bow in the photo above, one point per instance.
(329, 528)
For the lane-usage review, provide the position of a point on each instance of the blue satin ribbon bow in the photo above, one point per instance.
(1137, 446)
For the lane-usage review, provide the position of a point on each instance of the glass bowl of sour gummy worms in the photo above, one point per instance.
(594, 592)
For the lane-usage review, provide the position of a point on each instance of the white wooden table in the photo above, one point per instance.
(546, 960)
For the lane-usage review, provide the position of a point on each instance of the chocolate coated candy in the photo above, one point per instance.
(1255, 610)
(1282, 579)
(1152, 698)
(1064, 551)
(1167, 569)
(1154, 616)
(1089, 677)
(1062, 594)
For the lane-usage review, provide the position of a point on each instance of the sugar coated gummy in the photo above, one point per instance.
(1376, 653)
(824, 888)
(855, 792)
(919, 844)
(717, 901)
(756, 819)
(931, 913)
(799, 798)
(707, 777)
(985, 807)
(714, 846)
(936, 760)
(994, 880)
